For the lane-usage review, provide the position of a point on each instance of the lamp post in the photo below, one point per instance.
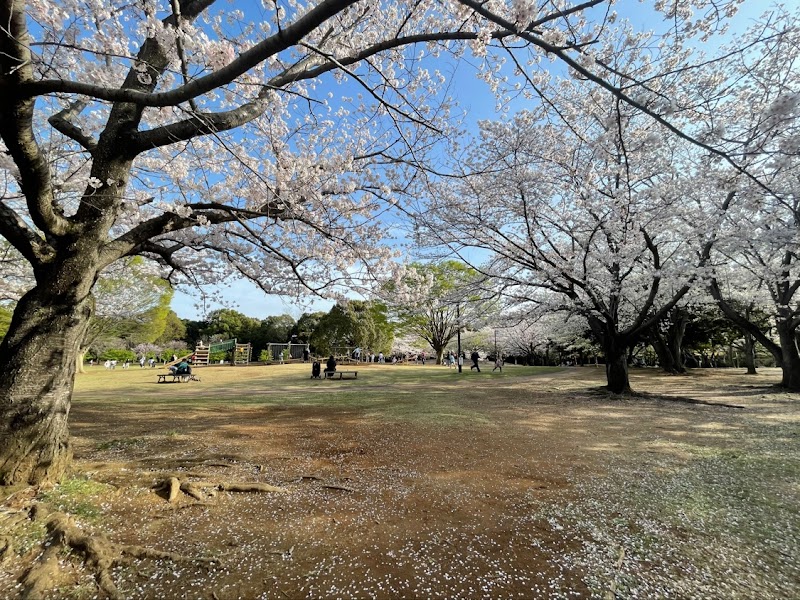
(458, 333)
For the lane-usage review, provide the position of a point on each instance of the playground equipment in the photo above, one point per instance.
(345, 354)
(276, 351)
(242, 353)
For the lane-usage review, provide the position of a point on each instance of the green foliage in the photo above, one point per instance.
(133, 308)
(117, 354)
(710, 333)
(306, 326)
(226, 323)
(273, 329)
(6, 313)
(437, 298)
(215, 357)
(174, 328)
(354, 323)
(264, 356)
(27, 535)
(277, 328)
(194, 331)
(151, 325)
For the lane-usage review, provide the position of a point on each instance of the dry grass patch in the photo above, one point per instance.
(418, 482)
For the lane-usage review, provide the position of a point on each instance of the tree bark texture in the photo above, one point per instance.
(669, 344)
(750, 354)
(790, 357)
(615, 349)
(37, 369)
(616, 366)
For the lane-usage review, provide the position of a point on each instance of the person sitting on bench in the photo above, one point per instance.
(330, 366)
(182, 368)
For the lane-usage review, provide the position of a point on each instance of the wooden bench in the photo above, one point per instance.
(180, 378)
(341, 374)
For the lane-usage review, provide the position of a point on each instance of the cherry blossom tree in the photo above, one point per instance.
(587, 207)
(212, 141)
(433, 300)
(543, 338)
(131, 301)
(582, 215)
(755, 254)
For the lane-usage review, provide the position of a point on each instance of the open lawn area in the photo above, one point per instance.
(418, 482)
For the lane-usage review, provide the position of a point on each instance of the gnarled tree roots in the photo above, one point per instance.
(99, 554)
(203, 490)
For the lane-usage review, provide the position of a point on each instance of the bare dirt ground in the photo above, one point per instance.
(525, 486)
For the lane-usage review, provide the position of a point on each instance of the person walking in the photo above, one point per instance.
(475, 358)
(498, 364)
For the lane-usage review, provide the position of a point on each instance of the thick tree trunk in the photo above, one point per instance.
(665, 357)
(616, 366)
(668, 346)
(790, 358)
(439, 355)
(743, 322)
(615, 349)
(37, 370)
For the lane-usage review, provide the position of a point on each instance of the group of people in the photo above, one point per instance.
(450, 360)
(150, 361)
(368, 356)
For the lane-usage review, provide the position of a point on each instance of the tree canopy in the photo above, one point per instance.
(352, 324)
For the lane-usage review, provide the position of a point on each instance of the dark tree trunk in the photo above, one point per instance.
(743, 322)
(615, 349)
(750, 354)
(616, 366)
(665, 357)
(669, 344)
(790, 358)
(37, 370)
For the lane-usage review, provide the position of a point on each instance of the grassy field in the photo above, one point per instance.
(420, 482)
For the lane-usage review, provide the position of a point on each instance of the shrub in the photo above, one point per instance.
(215, 357)
(118, 355)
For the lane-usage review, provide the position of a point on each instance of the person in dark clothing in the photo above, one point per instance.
(182, 368)
(306, 354)
(331, 364)
(475, 357)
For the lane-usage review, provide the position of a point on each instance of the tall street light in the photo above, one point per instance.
(458, 325)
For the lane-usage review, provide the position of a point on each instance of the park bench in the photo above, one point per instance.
(341, 374)
(176, 377)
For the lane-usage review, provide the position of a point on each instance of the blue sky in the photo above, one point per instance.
(475, 98)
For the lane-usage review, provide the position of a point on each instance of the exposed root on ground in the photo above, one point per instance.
(99, 554)
(634, 396)
(687, 400)
(203, 490)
